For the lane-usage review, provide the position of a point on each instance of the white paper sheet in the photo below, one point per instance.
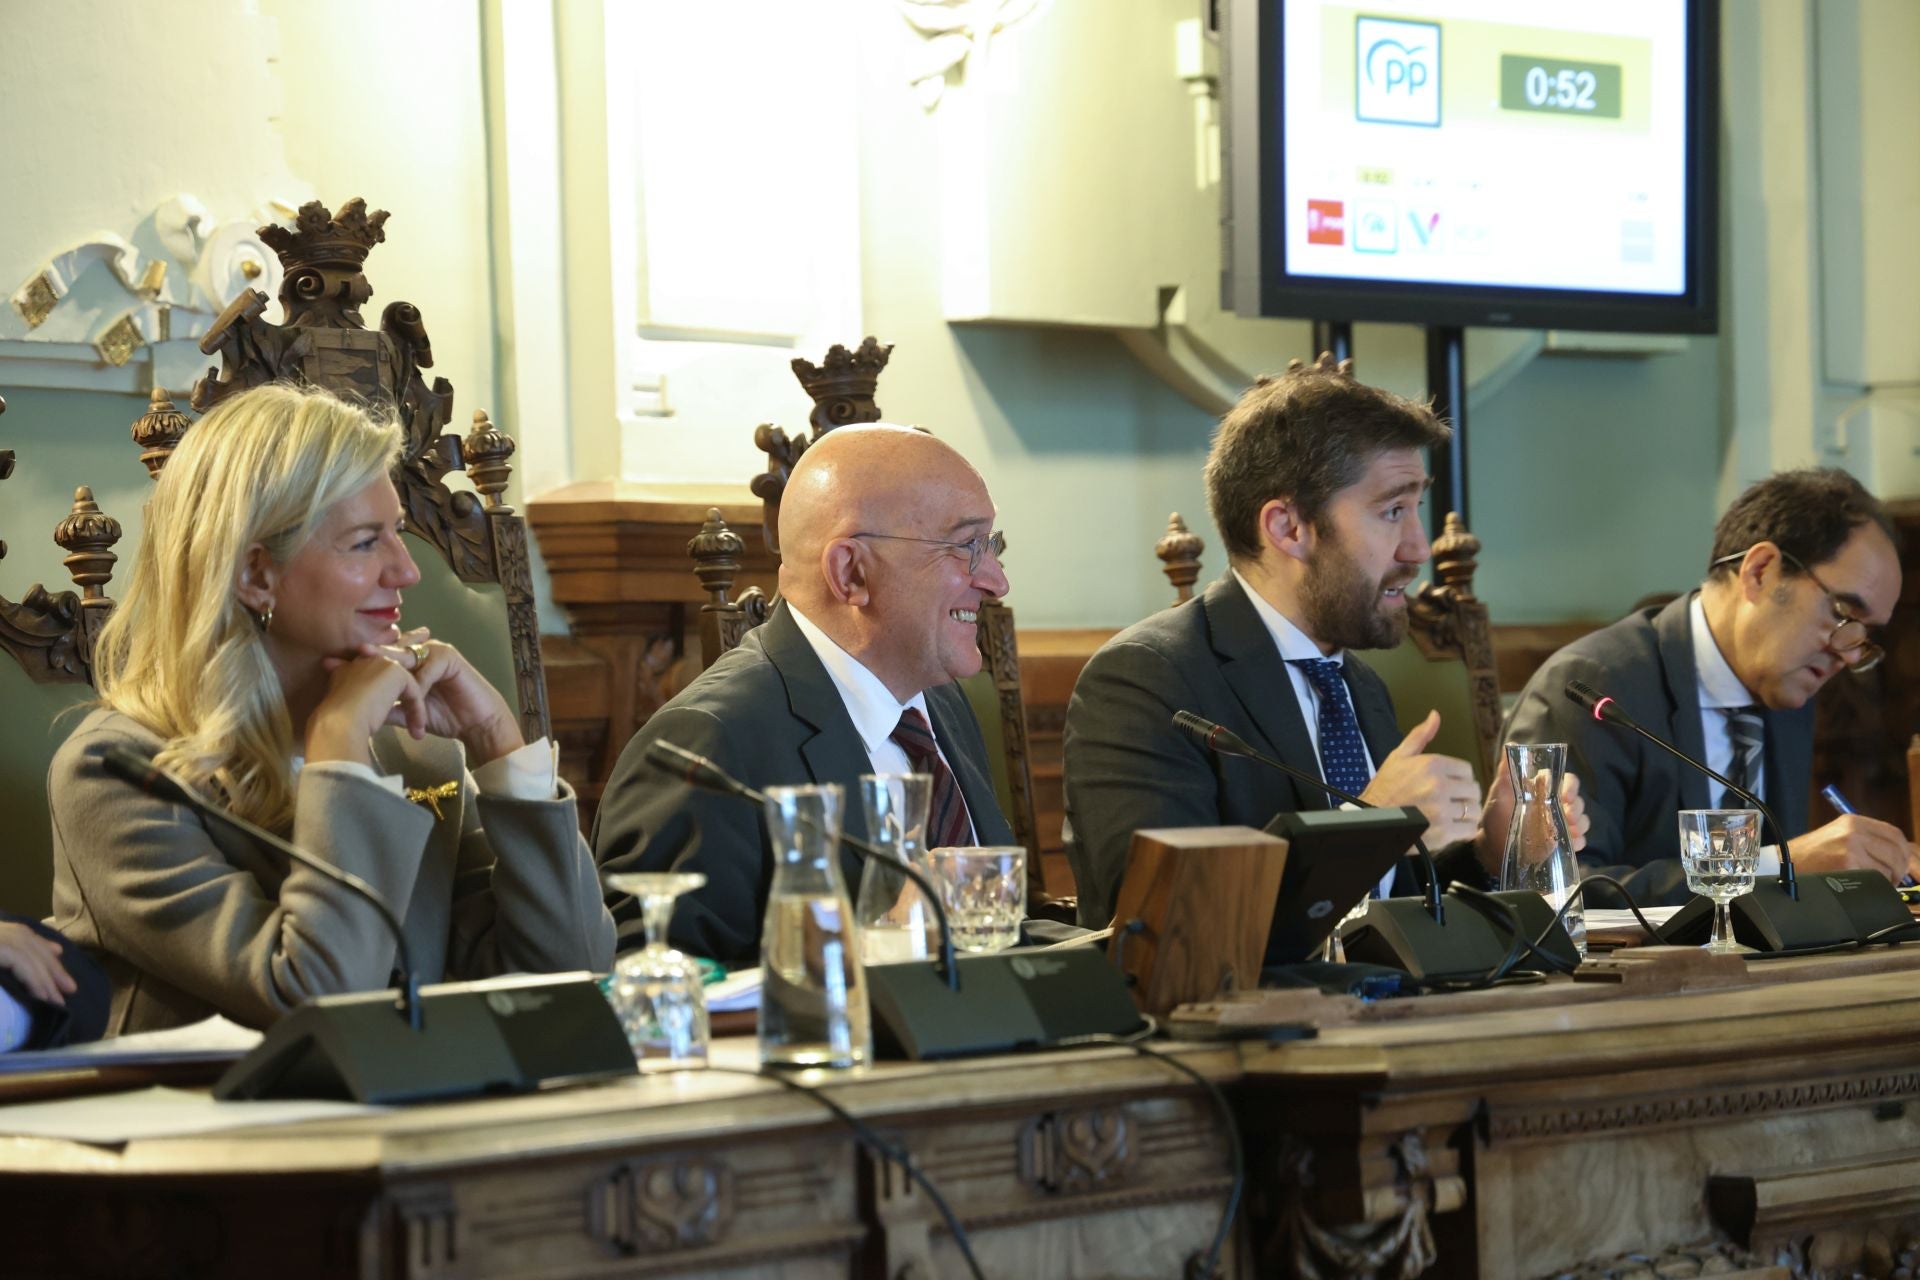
(211, 1040)
(115, 1118)
(735, 992)
(1611, 918)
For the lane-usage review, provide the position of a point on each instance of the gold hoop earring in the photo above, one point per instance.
(263, 619)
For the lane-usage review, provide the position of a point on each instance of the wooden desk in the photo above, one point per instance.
(1095, 1163)
(1768, 1108)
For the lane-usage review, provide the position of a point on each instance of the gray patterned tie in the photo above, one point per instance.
(1748, 736)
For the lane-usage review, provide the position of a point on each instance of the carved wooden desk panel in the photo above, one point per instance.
(1523, 1142)
(1098, 1163)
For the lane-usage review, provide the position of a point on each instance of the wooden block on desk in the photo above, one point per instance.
(1204, 899)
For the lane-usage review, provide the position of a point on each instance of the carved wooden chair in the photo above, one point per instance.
(50, 638)
(843, 387)
(480, 572)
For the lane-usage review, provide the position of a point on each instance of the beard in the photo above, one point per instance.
(1343, 606)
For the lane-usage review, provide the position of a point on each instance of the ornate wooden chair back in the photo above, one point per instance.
(479, 576)
(49, 636)
(843, 387)
(1446, 663)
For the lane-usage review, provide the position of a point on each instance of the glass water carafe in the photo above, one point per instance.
(896, 921)
(813, 994)
(1539, 850)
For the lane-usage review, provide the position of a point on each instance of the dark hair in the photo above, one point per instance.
(1809, 514)
(1304, 436)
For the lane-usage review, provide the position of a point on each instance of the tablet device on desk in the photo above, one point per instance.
(1334, 859)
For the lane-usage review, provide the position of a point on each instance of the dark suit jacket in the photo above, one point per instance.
(1633, 789)
(84, 1016)
(1127, 767)
(767, 713)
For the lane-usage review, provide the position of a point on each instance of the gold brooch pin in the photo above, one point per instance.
(432, 796)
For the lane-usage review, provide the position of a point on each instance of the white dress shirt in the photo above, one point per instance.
(529, 772)
(871, 706)
(1721, 689)
(1295, 644)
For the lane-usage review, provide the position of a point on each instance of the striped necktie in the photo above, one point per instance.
(1748, 736)
(947, 824)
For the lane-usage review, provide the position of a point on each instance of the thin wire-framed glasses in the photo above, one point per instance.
(976, 547)
(1850, 640)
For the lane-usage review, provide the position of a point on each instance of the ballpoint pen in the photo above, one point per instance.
(1831, 794)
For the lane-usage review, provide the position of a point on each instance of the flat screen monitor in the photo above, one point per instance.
(1536, 163)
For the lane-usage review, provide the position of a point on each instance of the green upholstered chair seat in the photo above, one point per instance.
(1421, 684)
(471, 616)
(35, 726)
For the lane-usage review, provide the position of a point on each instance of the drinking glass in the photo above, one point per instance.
(658, 993)
(813, 993)
(1718, 850)
(985, 893)
(896, 921)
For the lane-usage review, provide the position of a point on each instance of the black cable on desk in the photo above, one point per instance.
(1138, 1044)
(880, 1147)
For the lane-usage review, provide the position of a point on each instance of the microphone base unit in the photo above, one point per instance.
(1399, 933)
(1834, 908)
(501, 1035)
(1008, 1001)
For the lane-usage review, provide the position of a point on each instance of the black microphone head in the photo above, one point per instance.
(1214, 737)
(129, 765)
(691, 768)
(1603, 707)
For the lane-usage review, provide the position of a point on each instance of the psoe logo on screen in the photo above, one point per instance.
(1398, 77)
(1326, 222)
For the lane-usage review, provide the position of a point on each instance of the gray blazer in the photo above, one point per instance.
(192, 917)
(769, 714)
(1127, 767)
(1633, 789)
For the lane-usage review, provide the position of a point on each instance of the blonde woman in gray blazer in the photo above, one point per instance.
(258, 655)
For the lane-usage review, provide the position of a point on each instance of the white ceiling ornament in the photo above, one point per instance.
(71, 325)
(955, 30)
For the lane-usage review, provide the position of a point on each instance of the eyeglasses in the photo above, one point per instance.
(994, 543)
(1850, 640)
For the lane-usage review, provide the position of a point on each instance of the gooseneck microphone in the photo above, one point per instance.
(697, 771)
(1606, 710)
(1223, 741)
(130, 766)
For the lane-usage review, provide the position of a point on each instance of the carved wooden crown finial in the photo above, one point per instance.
(1454, 556)
(89, 534)
(716, 552)
(158, 431)
(322, 238)
(1179, 550)
(486, 450)
(843, 384)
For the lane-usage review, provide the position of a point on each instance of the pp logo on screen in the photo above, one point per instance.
(1397, 80)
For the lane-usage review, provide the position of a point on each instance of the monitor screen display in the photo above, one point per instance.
(1475, 161)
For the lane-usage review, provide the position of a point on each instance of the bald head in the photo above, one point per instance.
(863, 479)
(873, 526)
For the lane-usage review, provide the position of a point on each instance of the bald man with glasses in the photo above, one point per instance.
(1804, 570)
(887, 548)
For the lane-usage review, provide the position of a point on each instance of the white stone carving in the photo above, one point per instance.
(955, 30)
(142, 311)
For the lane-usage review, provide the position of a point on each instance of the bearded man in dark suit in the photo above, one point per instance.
(887, 548)
(1314, 480)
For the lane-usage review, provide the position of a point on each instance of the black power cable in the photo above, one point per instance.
(880, 1147)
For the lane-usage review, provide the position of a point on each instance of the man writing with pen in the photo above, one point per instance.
(1803, 573)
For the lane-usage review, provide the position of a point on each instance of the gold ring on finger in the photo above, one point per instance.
(419, 652)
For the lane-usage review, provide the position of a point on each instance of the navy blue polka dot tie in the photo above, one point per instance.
(1343, 752)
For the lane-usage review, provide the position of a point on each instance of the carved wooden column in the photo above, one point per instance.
(616, 556)
(1179, 551)
(51, 634)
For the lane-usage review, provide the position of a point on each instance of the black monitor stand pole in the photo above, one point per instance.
(1447, 384)
(1335, 336)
